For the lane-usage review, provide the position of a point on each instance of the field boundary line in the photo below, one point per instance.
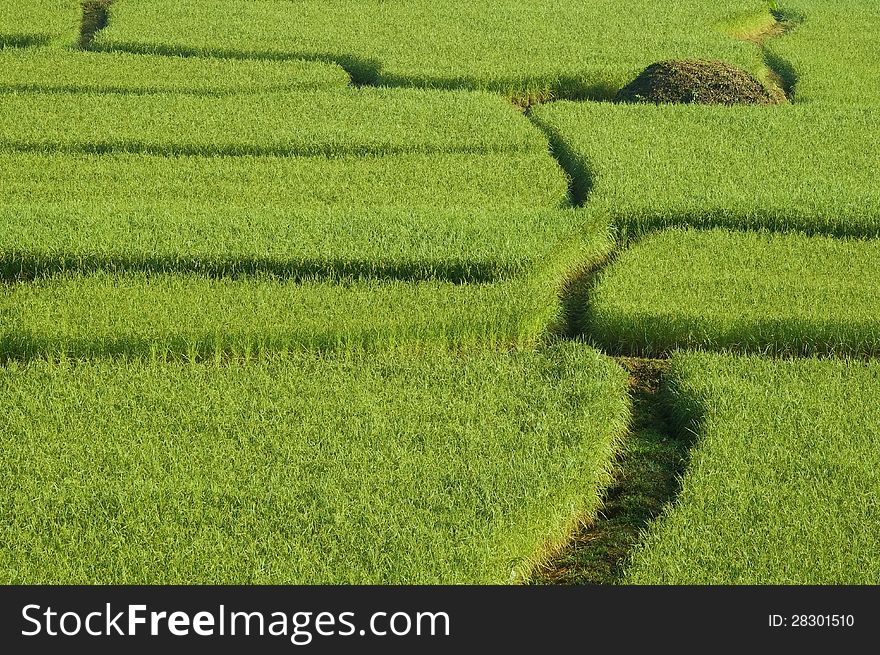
(647, 472)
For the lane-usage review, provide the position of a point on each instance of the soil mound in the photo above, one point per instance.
(695, 81)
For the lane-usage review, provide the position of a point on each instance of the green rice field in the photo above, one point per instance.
(541, 50)
(197, 314)
(54, 70)
(785, 294)
(385, 469)
(794, 167)
(39, 22)
(519, 181)
(316, 292)
(831, 53)
(782, 486)
(341, 122)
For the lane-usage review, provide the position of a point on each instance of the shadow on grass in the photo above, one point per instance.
(90, 88)
(362, 71)
(577, 168)
(22, 41)
(522, 92)
(574, 297)
(847, 223)
(365, 71)
(25, 267)
(21, 348)
(125, 146)
(783, 70)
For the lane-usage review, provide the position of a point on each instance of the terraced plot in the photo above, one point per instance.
(54, 70)
(39, 21)
(832, 52)
(530, 50)
(784, 294)
(268, 317)
(340, 122)
(418, 243)
(324, 234)
(782, 487)
(515, 181)
(345, 468)
(803, 167)
(193, 315)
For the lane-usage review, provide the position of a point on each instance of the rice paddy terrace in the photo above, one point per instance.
(301, 291)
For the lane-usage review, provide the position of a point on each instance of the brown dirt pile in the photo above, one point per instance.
(695, 81)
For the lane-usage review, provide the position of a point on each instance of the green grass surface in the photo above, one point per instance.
(349, 121)
(781, 293)
(177, 184)
(418, 243)
(536, 49)
(450, 216)
(804, 167)
(38, 21)
(782, 487)
(190, 315)
(49, 69)
(353, 468)
(833, 51)
(194, 317)
(263, 323)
